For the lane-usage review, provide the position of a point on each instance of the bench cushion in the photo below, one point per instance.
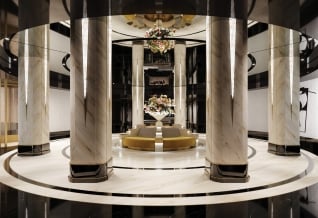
(149, 132)
(139, 143)
(169, 132)
(178, 143)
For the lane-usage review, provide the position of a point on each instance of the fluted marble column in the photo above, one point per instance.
(33, 89)
(226, 100)
(137, 83)
(91, 106)
(180, 83)
(283, 97)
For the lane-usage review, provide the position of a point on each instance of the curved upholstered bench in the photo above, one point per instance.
(178, 143)
(139, 143)
(144, 138)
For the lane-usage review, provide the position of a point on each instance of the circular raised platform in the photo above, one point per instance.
(158, 178)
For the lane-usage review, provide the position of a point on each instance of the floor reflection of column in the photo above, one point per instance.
(284, 206)
(137, 212)
(33, 205)
(79, 209)
(235, 210)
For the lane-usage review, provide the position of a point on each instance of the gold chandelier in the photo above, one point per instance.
(160, 43)
(162, 26)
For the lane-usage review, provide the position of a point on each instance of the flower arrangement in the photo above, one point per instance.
(159, 44)
(161, 104)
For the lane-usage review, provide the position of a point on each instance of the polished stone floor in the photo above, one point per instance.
(159, 184)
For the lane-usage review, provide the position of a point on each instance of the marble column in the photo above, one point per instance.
(226, 100)
(180, 83)
(283, 89)
(33, 100)
(91, 105)
(137, 83)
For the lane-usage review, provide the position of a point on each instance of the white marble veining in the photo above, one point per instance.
(226, 106)
(283, 97)
(180, 82)
(33, 87)
(54, 170)
(137, 83)
(91, 107)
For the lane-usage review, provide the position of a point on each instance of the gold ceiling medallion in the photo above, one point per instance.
(175, 21)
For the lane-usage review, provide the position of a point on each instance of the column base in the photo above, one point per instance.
(90, 173)
(227, 173)
(33, 150)
(284, 150)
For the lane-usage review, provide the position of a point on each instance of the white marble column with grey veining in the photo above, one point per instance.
(137, 83)
(91, 100)
(226, 99)
(33, 96)
(180, 83)
(283, 97)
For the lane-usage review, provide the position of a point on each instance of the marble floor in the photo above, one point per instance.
(143, 178)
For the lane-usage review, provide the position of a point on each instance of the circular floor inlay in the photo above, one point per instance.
(160, 178)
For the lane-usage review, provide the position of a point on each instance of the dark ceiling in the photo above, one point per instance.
(289, 13)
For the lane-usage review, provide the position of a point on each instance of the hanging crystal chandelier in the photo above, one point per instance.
(160, 43)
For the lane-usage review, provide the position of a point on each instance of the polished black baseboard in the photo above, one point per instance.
(284, 150)
(90, 173)
(308, 144)
(59, 135)
(33, 150)
(227, 173)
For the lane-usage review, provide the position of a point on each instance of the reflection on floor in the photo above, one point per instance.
(292, 205)
(186, 165)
